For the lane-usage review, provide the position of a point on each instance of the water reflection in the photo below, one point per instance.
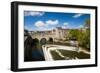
(33, 50)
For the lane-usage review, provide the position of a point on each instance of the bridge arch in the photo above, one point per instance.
(43, 41)
(50, 40)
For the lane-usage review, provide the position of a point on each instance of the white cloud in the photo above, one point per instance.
(77, 15)
(64, 27)
(45, 25)
(81, 26)
(52, 22)
(40, 24)
(33, 13)
(66, 23)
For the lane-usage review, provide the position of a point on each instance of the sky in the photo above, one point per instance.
(42, 21)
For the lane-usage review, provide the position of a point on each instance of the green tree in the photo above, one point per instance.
(84, 35)
(73, 34)
(81, 35)
(87, 23)
(84, 39)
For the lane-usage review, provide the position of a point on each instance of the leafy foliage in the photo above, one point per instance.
(81, 35)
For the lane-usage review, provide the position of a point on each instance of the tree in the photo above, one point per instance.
(83, 37)
(87, 23)
(73, 34)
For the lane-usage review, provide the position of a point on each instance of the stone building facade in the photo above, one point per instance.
(56, 34)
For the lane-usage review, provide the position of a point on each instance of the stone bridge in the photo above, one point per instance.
(55, 34)
(41, 36)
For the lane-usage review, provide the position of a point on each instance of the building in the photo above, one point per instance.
(56, 34)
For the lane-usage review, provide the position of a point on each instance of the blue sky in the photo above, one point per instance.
(41, 21)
